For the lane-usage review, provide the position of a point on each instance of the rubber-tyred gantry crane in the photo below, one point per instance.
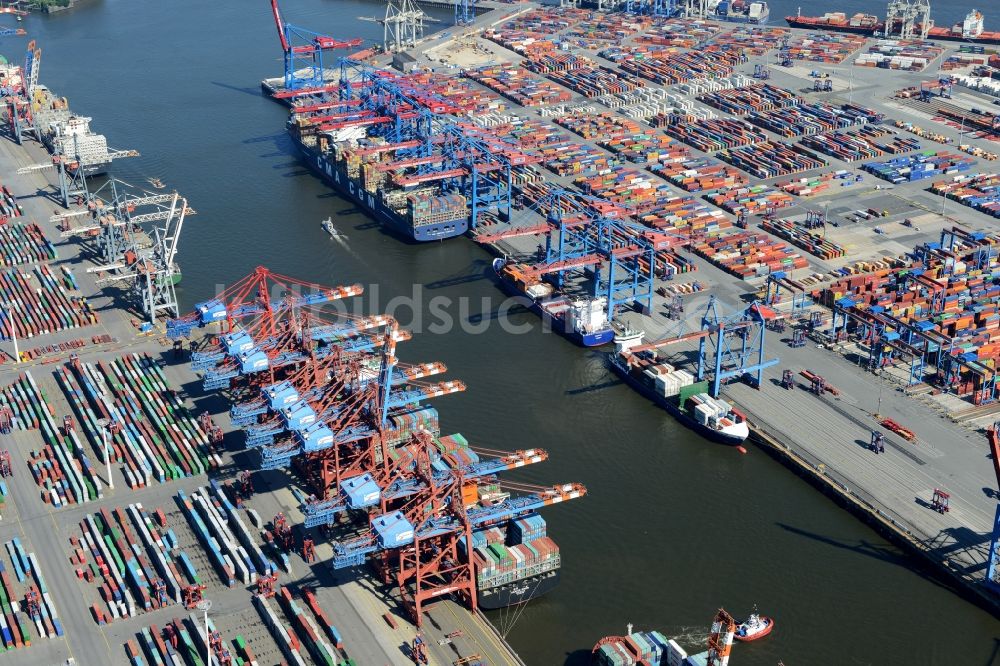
(303, 52)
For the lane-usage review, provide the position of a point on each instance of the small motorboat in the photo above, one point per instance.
(156, 182)
(754, 627)
(327, 225)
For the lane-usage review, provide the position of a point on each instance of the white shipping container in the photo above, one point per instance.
(684, 377)
(675, 654)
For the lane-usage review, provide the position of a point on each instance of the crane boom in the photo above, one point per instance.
(280, 25)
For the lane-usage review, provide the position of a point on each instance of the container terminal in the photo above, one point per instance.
(765, 187)
(137, 513)
(799, 219)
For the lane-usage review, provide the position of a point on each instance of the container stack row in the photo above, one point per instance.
(283, 635)
(224, 536)
(681, 33)
(754, 40)
(182, 641)
(771, 159)
(584, 76)
(757, 98)
(8, 205)
(827, 47)
(29, 573)
(911, 55)
(810, 186)
(981, 191)
(928, 164)
(322, 644)
(626, 138)
(748, 255)
(519, 85)
(62, 469)
(719, 134)
(750, 199)
(674, 68)
(15, 624)
(40, 303)
(700, 175)
(128, 402)
(807, 119)
(134, 558)
(24, 244)
(800, 237)
(866, 143)
(598, 29)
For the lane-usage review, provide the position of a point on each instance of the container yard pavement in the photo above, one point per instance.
(354, 605)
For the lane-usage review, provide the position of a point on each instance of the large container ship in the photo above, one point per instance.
(582, 320)
(515, 563)
(676, 391)
(738, 11)
(969, 30)
(861, 24)
(65, 133)
(350, 162)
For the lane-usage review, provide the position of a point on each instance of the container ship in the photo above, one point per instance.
(65, 133)
(652, 648)
(514, 563)
(739, 11)
(676, 391)
(969, 30)
(582, 320)
(355, 165)
(861, 24)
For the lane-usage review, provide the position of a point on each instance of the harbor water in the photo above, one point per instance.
(672, 528)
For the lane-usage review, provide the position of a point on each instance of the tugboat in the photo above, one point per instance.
(754, 627)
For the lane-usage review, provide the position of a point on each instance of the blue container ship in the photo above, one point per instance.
(352, 166)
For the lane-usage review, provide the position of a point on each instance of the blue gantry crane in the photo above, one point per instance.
(588, 234)
(303, 52)
(730, 347)
(399, 484)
